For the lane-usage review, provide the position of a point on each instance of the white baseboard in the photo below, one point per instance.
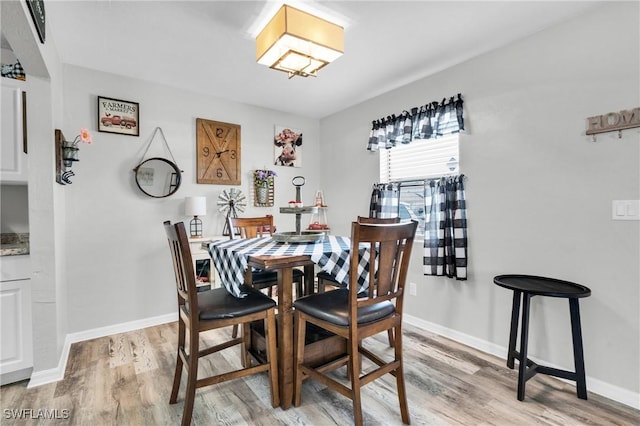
(43, 377)
(616, 393)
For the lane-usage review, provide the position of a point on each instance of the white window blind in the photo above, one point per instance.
(420, 159)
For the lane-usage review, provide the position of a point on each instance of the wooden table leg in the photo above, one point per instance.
(285, 336)
(309, 279)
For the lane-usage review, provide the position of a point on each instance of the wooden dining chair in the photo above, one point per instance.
(208, 310)
(356, 315)
(325, 279)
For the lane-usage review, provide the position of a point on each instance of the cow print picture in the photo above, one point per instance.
(287, 147)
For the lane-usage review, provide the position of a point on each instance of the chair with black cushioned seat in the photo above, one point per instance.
(208, 310)
(356, 315)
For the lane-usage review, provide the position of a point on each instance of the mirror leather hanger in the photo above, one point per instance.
(158, 177)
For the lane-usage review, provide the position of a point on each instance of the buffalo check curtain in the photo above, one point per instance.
(445, 239)
(385, 200)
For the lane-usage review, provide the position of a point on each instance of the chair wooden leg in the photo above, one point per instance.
(390, 334)
(245, 358)
(320, 285)
(298, 344)
(270, 337)
(234, 332)
(192, 377)
(402, 393)
(178, 373)
(354, 364)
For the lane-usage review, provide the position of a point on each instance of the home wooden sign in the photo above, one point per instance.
(613, 121)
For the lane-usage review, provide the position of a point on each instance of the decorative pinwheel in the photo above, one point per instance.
(230, 202)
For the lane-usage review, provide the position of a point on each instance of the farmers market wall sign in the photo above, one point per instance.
(118, 116)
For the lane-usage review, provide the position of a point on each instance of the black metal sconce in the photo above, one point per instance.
(66, 154)
(69, 155)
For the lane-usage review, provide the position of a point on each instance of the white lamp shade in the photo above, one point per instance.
(195, 206)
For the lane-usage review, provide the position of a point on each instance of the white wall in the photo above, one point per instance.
(118, 262)
(539, 191)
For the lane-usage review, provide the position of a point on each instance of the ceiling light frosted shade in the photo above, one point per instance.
(195, 206)
(298, 43)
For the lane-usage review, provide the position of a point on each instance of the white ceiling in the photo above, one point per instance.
(209, 47)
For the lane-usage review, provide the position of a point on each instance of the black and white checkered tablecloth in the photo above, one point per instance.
(332, 255)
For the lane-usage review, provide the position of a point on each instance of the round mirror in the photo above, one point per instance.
(158, 177)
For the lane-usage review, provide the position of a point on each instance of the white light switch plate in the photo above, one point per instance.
(413, 289)
(625, 210)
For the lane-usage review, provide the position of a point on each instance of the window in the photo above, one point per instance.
(420, 159)
(411, 164)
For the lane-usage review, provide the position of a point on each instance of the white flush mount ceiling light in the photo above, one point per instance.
(299, 43)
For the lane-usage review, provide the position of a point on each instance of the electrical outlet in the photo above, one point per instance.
(413, 289)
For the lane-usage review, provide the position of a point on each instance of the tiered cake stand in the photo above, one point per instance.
(299, 236)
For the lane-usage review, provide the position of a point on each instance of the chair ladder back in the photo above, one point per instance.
(364, 219)
(182, 262)
(178, 269)
(251, 227)
(379, 286)
(387, 270)
(390, 249)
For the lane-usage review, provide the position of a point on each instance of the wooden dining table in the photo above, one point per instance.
(234, 260)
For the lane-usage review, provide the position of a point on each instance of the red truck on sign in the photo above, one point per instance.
(116, 120)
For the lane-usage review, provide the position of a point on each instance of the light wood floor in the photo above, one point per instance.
(125, 379)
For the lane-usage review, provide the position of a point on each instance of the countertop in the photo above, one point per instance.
(14, 244)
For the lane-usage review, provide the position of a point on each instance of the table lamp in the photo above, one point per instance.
(195, 206)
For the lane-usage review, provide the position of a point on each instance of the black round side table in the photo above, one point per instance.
(524, 288)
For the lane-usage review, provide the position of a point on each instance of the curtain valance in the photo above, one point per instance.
(429, 121)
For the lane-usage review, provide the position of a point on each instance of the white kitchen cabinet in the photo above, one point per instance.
(13, 162)
(16, 341)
